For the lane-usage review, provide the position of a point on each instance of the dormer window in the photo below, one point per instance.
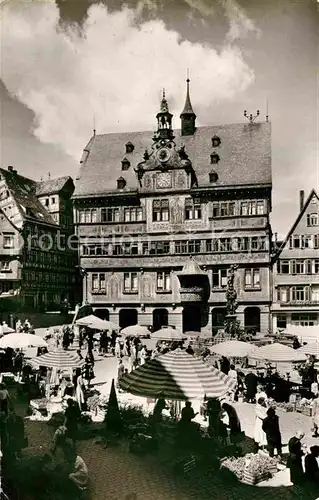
(129, 147)
(125, 164)
(121, 183)
(214, 158)
(215, 141)
(213, 176)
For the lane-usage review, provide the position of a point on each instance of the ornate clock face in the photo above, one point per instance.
(164, 180)
(163, 155)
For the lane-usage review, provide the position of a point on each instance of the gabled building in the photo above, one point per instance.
(37, 263)
(160, 218)
(296, 271)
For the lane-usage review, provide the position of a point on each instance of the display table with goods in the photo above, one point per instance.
(287, 407)
(304, 406)
(252, 468)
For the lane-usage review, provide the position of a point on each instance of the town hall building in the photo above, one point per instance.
(161, 217)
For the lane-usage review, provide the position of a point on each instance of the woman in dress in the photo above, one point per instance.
(79, 390)
(261, 413)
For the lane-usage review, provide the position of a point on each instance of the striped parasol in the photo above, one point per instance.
(311, 348)
(177, 376)
(58, 359)
(278, 353)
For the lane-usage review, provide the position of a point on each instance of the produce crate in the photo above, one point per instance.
(305, 410)
(255, 478)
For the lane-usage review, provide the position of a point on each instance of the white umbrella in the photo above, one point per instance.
(6, 329)
(22, 340)
(233, 349)
(135, 331)
(168, 333)
(96, 323)
(277, 353)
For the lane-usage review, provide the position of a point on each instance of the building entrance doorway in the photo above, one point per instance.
(252, 319)
(127, 317)
(102, 314)
(218, 319)
(160, 318)
(192, 318)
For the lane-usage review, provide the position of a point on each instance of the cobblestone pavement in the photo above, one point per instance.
(116, 474)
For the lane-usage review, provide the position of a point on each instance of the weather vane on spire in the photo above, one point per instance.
(164, 104)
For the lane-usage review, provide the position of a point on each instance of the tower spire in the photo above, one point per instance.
(164, 121)
(188, 116)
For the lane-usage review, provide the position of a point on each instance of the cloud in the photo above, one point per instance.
(113, 70)
(240, 25)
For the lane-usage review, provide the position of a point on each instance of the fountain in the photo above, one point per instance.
(232, 325)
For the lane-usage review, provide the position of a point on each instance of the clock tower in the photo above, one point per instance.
(165, 167)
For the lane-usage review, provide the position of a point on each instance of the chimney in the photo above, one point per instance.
(10, 168)
(301, 199)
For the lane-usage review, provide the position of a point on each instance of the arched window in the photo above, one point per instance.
(252, 319)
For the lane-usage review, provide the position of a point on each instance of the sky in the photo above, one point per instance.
(72, 65)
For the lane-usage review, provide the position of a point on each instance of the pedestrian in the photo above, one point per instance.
(103, 343)
(143, 355)
(261, 413)
(189, 350)
(235, 432)
(65, 339)
(251, 382)
(16, 431)
(113, 339)
(224, 365)
(5, 400)
(117, 348)
(79, 388)
(79, 475)
(294, 462)
(315, 416)
(271, 428)
(233, 375)
(59, 438)
(87, 371)
(120, 370)
(72, 416)
(311, 466)
(261, 394)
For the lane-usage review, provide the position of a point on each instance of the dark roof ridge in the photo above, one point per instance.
(295, 224)
(198, 129)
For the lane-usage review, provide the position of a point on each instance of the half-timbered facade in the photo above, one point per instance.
(296, 271)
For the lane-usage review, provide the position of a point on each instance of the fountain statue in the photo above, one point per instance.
(232, 325)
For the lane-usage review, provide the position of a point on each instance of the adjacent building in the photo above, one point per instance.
(296, 271)
(160, 217)
(37, 253)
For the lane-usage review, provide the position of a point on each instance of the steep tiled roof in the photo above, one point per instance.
(51, 186)
(312, 194)
(245, 157)
(23, 191)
